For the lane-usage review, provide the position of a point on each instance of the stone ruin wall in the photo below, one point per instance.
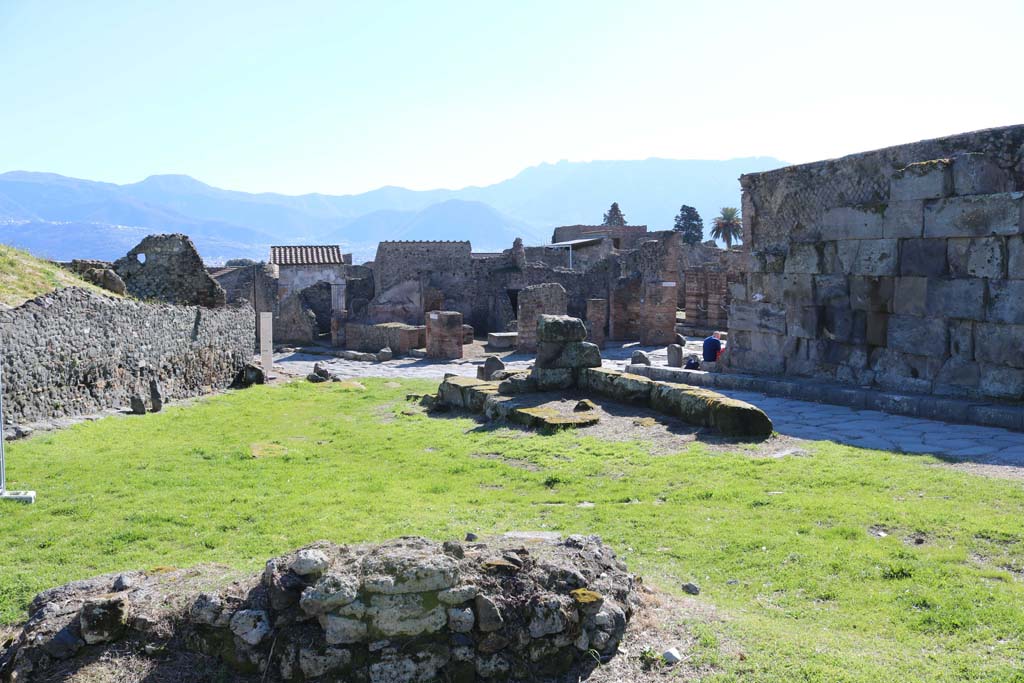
(76, 352)
(168, 268)
(535, 301)
(628, 236)
(403, 261)
(901, 268)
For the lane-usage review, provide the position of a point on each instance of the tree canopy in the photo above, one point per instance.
(689, 225)
(614, 216)
(728, 226)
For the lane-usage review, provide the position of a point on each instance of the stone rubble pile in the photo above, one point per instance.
(517, 608)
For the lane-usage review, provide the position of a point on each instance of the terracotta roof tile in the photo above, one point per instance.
(308, 255)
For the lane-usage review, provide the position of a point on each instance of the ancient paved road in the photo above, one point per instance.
(984, 450)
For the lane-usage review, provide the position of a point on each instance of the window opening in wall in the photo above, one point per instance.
(141, 257)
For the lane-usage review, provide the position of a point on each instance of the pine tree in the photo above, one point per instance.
(614, 216)
(689, 224)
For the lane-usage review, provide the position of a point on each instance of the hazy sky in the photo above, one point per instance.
(340, 97)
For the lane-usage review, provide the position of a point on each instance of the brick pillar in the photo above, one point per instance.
(536, 300)
(444, 334)
(597, 319)
(658, 313)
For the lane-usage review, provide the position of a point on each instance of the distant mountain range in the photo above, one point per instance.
(63, 218)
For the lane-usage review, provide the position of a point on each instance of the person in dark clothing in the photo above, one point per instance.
(712, 347)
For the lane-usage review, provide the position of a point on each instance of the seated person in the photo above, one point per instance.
(712, 347)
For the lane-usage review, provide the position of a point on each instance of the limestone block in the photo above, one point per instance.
(877, 257)
(846, 257)
(961, 339)
(924, 257)
(757, 317)
(852, 223)
(552, 379)
(918, 336)
(999, 344)
(675, 356)
(1006, 302)
(767, 353)
(871, 293)
(802, 321)
(797, 289)
(804, 258)
(407, 614)
(923, 180)
(836, 323)
(560, 328)
(876, 328)
(1015, 257)
(975, 173)
(578, 354)
(975, 216)
(910, 296)
(829, 289)
(1002, 382)
(903, 219)
(964, 298)
(737, 290)
(976, 257)
(958, 377)
(764, 287)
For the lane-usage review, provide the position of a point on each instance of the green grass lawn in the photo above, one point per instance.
(781, 547)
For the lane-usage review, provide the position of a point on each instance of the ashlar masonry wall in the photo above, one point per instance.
(75, 352)
(901, 268)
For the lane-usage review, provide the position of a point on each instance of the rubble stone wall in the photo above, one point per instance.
(168, 268)
(901, 268)
(76, 352)
(397, 262)
(400, 338)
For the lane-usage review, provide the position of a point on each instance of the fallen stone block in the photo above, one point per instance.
(560, 328)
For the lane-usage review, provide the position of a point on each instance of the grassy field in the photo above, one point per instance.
(23, 276)
(788, 551)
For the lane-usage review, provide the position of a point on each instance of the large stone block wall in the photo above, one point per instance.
(75, 352)
(901, 268)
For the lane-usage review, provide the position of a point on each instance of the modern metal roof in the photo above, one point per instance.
(308, 255)
(579, 242)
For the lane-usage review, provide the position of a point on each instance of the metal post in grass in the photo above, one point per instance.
(19, 496)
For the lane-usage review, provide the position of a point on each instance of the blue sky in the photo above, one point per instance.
(343, 97)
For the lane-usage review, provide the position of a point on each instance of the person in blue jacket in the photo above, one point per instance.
(712, 347)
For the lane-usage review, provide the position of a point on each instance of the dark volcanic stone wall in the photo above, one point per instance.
(75, 352)
(168, 268)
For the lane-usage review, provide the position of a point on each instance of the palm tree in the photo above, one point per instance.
(728, 227)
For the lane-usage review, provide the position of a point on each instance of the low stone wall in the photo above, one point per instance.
(76, 352)
(515, 608)
(401, 338)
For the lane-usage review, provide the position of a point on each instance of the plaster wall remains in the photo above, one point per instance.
(168, 268)
(76, 352)
(901, 268)
(535, 301)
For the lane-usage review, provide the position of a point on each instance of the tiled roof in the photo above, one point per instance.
(312, 255)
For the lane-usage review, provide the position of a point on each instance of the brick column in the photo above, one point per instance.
(536, 300)
(444, 334)
(658, 313)
(597, 318)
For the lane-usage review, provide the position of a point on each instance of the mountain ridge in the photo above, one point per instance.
(231, 223)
